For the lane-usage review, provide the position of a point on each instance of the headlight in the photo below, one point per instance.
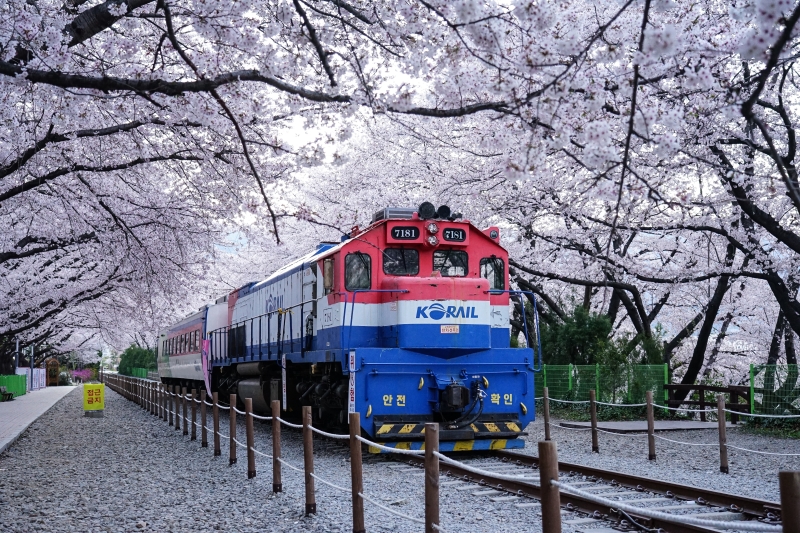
(432, 240)
(433, 227)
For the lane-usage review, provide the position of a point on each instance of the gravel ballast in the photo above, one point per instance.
(131, 471)
(751, 474)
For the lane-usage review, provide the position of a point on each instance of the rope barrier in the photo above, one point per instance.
(760, 415)
(260, 453)
(296, 426)
(622, 404)
(480, 471)
(686, 443)
(240, 444)
(568, 401)
(223, 407)
(330, 435)
(261, 417)
(389, 449)
(224, 436)
(401, 515)
(679, 519)
(329, 483)
(764, 453)
(238, 411)
(622, 434)
(284, 463)
(209, 404)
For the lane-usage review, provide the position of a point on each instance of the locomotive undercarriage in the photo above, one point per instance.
(321, 386)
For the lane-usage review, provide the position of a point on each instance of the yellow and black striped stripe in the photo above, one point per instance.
(480, 430)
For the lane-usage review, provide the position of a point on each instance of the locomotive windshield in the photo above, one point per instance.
(357, 271)
(493, 269)
(400, 262)
(451, 263)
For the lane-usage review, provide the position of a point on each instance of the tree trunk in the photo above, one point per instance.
(699, 354)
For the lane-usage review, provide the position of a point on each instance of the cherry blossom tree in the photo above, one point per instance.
(618, 142)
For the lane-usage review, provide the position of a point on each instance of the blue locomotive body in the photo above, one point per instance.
(391, 323)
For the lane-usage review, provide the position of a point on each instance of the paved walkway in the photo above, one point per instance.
(17, 415)
(637, 426)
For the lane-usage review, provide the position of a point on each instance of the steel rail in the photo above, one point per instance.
(743, 504)
(569, 501)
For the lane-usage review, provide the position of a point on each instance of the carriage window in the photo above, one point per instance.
(357, 269)
(493, 269)
(450, 263)
(400, 262)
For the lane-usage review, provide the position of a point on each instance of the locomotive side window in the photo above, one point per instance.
(400, 262)
(451, 263)
(493, 269)
(327, 275)
(357, 267)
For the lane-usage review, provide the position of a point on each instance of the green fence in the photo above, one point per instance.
(136, 373)
(17, 385)
(775, 389)
(626, 384)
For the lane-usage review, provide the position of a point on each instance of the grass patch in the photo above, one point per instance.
(580, 412)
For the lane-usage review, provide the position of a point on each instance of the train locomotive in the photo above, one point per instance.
(405, 321)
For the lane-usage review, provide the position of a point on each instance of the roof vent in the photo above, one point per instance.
(394, 212)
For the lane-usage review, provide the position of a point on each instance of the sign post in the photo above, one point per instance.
(94, 399)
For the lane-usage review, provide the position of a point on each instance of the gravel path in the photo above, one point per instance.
(750, 474)
(130, 471)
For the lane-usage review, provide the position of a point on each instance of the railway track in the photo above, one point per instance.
(594, 517)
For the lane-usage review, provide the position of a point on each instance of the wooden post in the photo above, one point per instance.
(251, 455)
(431, 477)
(178, 402)
(308, 461)
(356, 477)
(215, 414)
(277, 485)
(651, 435)
(723, 441)
(153, 403)
(790, 494)
(593, 412)
(163, 402)
(203, 420)
(702, 395)
(170, 404)
(194, 414)
(550, 496)
(185, 402)
(546, 402)
(232, 418)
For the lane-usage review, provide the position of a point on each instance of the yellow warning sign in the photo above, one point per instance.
(94, 396)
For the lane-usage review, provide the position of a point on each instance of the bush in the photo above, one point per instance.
(136, 357)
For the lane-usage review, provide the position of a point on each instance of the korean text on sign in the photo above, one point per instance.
(93, 396)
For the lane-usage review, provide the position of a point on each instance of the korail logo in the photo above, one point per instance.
(438, 311)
